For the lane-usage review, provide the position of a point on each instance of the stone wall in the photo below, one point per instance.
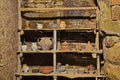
(110, 24)
(8, 39)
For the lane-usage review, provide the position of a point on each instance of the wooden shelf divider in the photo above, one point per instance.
(58, 8)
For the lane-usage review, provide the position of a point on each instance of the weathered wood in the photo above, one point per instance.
(98, 64)
(61, 74)
(58, 8)
(73, 29)
(55, 46)
(54, 51)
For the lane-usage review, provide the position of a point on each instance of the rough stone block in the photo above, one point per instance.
(116, 12)
(113, 2)
(112, 71)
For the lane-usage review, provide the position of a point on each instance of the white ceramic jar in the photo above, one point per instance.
(34, 46)
(39, 26)
(24, 47)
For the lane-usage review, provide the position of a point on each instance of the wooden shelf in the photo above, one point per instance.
(97, 52)
(58, 8)
(58, 29)
(79, 75)
(63, 74)
(34, 74)
(53, 51)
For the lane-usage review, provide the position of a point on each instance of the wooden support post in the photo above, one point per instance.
(54, 55)
(98, 65)
(97, 41)
(96, 78)
(55, 77)
(19, 15)
(97, 18)
(58, 22)
(17, 78)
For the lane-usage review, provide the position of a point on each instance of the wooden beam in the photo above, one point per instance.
(58, 8)
(57, 51)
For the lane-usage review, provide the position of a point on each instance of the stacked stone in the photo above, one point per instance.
(8, 39)
(111, 47)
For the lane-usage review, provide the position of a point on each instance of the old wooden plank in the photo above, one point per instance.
(58, 8)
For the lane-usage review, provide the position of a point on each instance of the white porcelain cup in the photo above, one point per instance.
(24, 47)
(39, 26)
(25, 70)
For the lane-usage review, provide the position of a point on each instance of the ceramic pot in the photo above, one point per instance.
(25, 68)
(27, 24)
(34, 46)
(24, 47)
(45, 43)
(91, 69)
(39, 26)
(46, 69)
(53, 25)
(65, 46)
(78, 46)
(62, 25)
(88, 46)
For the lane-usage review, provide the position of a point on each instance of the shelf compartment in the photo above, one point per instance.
(58, 8)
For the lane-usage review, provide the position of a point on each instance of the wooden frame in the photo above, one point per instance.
(55, 51)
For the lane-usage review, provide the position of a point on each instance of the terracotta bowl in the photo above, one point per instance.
(46, 69)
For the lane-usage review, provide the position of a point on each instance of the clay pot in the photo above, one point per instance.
(27, 24)
(45, 43)
(65, 46)
(39, 26)
(78, 47)
(25, 68)
(88, 46)
(91, 69)
(62, 25)
(53, 25)
(24, 47)
(46, 69)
